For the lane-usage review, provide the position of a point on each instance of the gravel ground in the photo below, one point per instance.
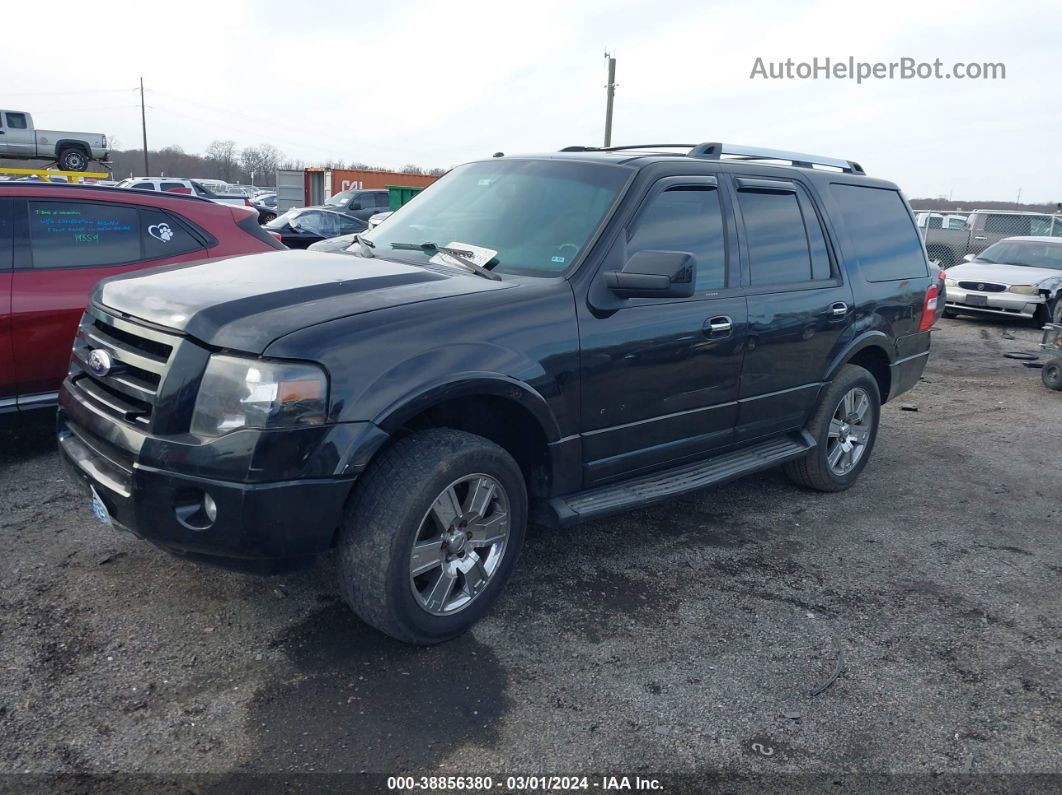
(685, 638)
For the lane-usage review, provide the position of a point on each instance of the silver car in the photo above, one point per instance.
(1018, 276)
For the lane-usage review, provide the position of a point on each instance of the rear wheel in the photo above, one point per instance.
(1051, 312)
(72, 160)
(432, 534)
(845, 426)
(1051, 374)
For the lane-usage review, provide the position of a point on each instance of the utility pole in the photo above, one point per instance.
(1018, 202)
(611, 87)
(143, 128)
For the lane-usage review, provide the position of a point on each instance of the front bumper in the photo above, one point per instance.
(1005, 303)
(146, 482)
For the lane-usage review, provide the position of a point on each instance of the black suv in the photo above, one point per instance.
(558, 337)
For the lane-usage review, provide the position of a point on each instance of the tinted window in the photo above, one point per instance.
(16, 121)
(348, 226)
(685, 219)
(164, 237)
(885, 240)
(174, 187)
(778, 245)
(1008, 224)
(144, 185)
(65, 234)
(383, 199)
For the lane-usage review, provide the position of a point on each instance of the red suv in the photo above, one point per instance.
(57, 241)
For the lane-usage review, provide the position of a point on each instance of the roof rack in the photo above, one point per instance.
(715, 151)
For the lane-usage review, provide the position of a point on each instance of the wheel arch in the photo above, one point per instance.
(871, 352)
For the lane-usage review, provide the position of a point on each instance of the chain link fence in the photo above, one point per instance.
(951, 236)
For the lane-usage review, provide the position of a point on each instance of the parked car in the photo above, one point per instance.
(563, 336)
(188, 187)
(1018, 276)
(57, 241)
(983, 228)
(342, 244)
(929, 220)
(359, 203)
(266, 204)
(73, 151)
(300, 228)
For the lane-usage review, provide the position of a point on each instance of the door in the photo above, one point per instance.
(799, 306)
(69, 246)
(8, 384)
(660, 376)
(18, 135)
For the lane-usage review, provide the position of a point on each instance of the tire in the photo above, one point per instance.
(268, 217)
(1051, 374)
(815, 470)
(1051, 312)
(73, 160)
(394, 505)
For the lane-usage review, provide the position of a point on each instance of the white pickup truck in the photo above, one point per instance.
(19, 140)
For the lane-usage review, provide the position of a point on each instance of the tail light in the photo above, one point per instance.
(247, 202)
(277, 236)
(929, 309)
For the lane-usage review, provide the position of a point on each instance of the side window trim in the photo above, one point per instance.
(731, 274)
(7, 219)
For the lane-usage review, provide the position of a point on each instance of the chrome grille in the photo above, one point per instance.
(983, 287)
(140, 355)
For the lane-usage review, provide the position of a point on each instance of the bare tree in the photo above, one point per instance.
(437, 172)
(410, 168)
(222, 154)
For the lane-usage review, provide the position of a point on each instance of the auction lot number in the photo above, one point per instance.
(480, 783)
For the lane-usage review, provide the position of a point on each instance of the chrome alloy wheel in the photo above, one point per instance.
(849, 431)
(460, 544)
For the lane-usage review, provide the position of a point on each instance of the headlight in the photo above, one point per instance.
(950, 282)
(253, 393)
(1024, 289)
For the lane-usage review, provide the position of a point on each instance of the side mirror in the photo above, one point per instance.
(969, 258)
(654, 274)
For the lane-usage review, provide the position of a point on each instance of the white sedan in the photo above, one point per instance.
(1018, 276)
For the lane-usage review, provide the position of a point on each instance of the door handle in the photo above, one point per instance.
(720, 326)
(980, 237)
(839, 309)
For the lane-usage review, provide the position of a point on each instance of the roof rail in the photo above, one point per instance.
(715, 151)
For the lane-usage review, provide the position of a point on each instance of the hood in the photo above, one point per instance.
(244, 303)
(1001, 273)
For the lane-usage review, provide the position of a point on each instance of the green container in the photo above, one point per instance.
(397, 195)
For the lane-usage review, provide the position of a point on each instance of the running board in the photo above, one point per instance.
(643, 490)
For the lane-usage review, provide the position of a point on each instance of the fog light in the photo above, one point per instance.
(195, 509)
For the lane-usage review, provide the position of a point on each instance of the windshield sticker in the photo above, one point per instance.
(558, 259)
(478, 254)
(161, 232)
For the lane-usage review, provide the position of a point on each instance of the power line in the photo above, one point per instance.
(76, 91)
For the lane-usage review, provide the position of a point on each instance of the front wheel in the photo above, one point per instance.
(431, 535)
(844, 426)
(72, 160)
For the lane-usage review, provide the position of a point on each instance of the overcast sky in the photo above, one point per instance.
(439, 83)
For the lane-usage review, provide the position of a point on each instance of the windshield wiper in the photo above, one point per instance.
(461, 255)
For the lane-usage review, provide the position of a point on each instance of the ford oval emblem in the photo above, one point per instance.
(980, 288)
(100, 362)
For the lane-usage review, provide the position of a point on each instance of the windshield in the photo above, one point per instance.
(284, 218)
(1027, 253)
(538, 215)
(341, 199)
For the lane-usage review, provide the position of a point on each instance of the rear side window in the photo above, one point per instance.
(175, 187)
(163, 236)
(83, 234)
(16, 121)
(78, 234)
(685, 218)
(144, 185)
(886, 243)
(785, 239)
(383, 199)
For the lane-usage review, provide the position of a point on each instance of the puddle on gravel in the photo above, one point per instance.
(359, 701)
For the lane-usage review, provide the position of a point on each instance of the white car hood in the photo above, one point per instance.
(1001, 273)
